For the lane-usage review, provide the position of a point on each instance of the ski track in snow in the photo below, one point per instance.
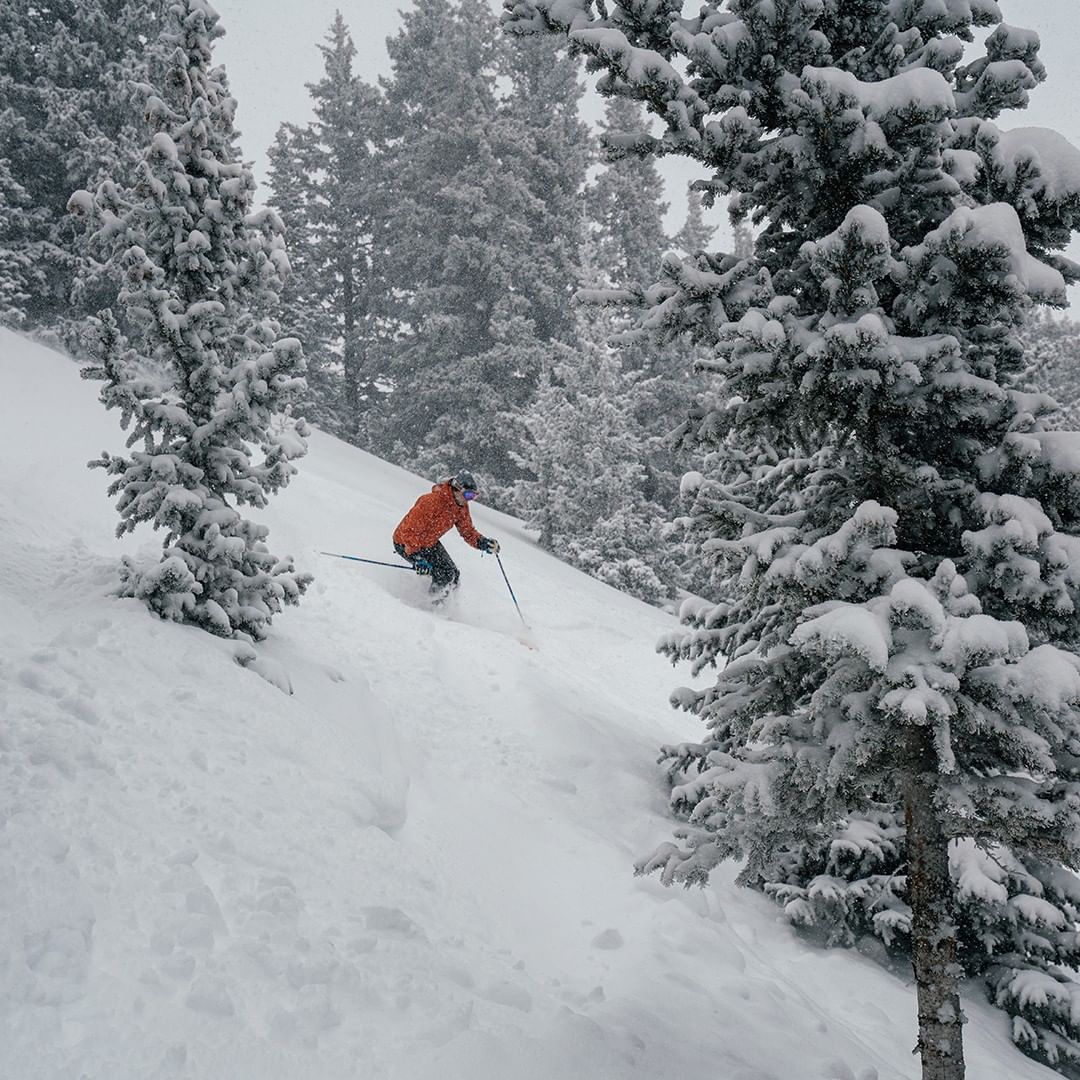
(418, 864)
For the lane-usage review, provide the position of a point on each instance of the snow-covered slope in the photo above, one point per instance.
(417, 865)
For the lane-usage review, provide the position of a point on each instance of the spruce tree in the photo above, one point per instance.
(585, 449)
(68, 118)
(625, 201)
(292, 191)
(328, 180)
(626, 246)
(548, 149)
(694, 236)
(743, 245)
(202, 377)
(18, 274)
(892, 523)
(485, 231)
(1015, 916)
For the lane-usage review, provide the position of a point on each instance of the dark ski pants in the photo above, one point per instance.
(444, 571)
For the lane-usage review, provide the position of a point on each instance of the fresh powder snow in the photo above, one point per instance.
(387, 843)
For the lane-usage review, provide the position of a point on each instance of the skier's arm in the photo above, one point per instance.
(467, 530)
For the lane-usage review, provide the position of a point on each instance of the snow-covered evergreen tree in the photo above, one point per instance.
(292, 190)
(895, 530)
(626, 246)
(1052, 366)
(18, 273)
(743, 245)
(328, 181)
(68, 119)
(695, 234)
(586, 449)
(625, 201)
(548, 149)
(1015, 917)
(202, 377)
(468, 213)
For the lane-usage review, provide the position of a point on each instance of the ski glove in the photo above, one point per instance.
(488, 545)
(422, 566)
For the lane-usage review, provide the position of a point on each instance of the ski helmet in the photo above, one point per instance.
(464, 479)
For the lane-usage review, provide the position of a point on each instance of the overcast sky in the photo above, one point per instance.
(270, 51)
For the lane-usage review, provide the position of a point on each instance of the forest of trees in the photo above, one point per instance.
(836, 445)
(439, 225)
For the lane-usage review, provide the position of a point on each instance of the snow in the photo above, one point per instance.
(637, 65)
(918, 89)
(163, 144)
(848, 627)
(1057, 159)
(386, 843)
(1060, 450)
(979, 873)
(997, 225)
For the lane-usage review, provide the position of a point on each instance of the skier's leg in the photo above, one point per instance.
(444, 571)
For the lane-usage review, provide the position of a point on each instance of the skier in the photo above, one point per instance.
(417, 537)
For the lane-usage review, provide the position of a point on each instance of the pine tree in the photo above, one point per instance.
(892, 523)
(202, 376)
(1015, 918)
(18, 274)
(292, 190)
(625, 201)
(585, 451)
(328, 182)
(627, 244)
(547, 149)
(482, 247)
(695, 235)
(743, 240)
(67, 119)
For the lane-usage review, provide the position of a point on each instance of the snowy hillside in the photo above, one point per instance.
(416, 865)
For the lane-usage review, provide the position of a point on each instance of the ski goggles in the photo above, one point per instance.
(468, 495)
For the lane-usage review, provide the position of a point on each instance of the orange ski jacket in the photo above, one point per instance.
(432, 516)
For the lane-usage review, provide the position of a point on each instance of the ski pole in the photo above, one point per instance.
(374, 562)
(510, 587)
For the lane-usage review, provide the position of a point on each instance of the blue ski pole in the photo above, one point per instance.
(373, 562)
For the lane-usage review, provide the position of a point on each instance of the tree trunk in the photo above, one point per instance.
(933, 931)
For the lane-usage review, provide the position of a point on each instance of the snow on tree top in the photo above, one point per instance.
(963, 166)
(979, 872)
(979, 12)
(714, 43)
(869, 223)
(1038, 912)
(1048, 676)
